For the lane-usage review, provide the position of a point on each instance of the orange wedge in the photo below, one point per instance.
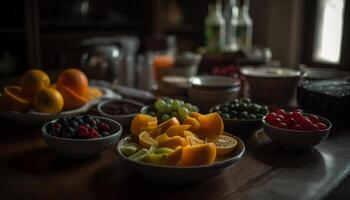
(225, 145)
(142, 122)
(211, 126)
(14, 99)
(177, 130)
(93, 93)
(195, 125)
(146, 141)
(168, 123)
(193, 140)
(71, 99)
(172, 142)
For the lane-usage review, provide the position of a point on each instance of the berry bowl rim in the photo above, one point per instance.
(113, 123)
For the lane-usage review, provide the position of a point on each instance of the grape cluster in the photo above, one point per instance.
(168, 108)
(242, 109)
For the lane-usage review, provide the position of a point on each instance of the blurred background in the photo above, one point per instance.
(58, 34)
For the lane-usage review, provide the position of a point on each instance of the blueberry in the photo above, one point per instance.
(62, 121)
(80, 121)
(88, 118)
(93, 123)
(74, 124)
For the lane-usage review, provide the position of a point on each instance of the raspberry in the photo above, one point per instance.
(103, 126)
(83, 131)
(93, 133)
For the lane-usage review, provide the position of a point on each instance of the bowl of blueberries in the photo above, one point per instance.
(81, 137)
(241, 116)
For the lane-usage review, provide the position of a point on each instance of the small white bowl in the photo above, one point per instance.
(124, 120)
(83, 148)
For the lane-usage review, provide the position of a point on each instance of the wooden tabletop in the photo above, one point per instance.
(30, 170)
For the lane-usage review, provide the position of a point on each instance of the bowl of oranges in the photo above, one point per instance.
(180, 152)
(36, 100)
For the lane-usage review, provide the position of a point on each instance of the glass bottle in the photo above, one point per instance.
(215, 28)
(231, 20)
(244, 29)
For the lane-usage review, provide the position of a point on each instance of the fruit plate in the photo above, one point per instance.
(36, 118)
(172, 175)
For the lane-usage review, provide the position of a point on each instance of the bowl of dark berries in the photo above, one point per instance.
(81, 137)
(241, 116)
(296, 130)
(120, 110)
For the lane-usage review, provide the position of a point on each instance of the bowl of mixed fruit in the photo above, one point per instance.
(180, 152)
(296, 130)
(241, 116)
(81, 136)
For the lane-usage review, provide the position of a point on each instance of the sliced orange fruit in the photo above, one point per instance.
(225, 145)
(211, 126)
(146, 141)
(172, 142)
(75, 80)
(193, 140)
(195, 125)
(71, 99)
(142, 122)
(93, 93)
(177, 130)
(195, 115)
(189, 133)
(162, 137)
(168, 123)
(14, 99)
(201, 154)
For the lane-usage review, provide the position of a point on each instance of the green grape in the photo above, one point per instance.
(188, 106)
(176, 105)
(182, 102)
(167, 108)
(173, 114)
(195, 109)
(170, 101)
(183, 112)
(165, 117)
(159, 104)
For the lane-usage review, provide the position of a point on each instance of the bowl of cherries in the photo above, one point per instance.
(81, 136)
(296, 130)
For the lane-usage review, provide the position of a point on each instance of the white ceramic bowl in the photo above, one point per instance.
(83, 148)
(124, 120)
(172, 175)
(297, 140)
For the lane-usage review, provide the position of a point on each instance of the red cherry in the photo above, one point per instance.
(321, 126)
(281, 117)
(314, 127)
(275, 121)
(215, 71)
(280, 112)
(291, 121)
(296, 127)
(288, 115)
(314, 119)
(306, 124)
(83, 131)
(298, 116)
(281, 125)
(270, 116)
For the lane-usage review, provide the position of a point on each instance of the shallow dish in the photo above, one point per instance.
(297, 140)
(37, 118)
(83, 148)
(172, 175)
(124, 120)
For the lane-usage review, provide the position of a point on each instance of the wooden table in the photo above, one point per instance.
(29, 170)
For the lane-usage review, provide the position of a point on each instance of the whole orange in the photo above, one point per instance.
(33, 81)
(48, 100)
(75, 80)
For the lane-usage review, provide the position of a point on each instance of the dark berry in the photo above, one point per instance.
(83, 132)
(93, 133)
(88, 118)
(93, 123)
(74, 124)
(80, 121)
(69, 130)
(103, 126)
